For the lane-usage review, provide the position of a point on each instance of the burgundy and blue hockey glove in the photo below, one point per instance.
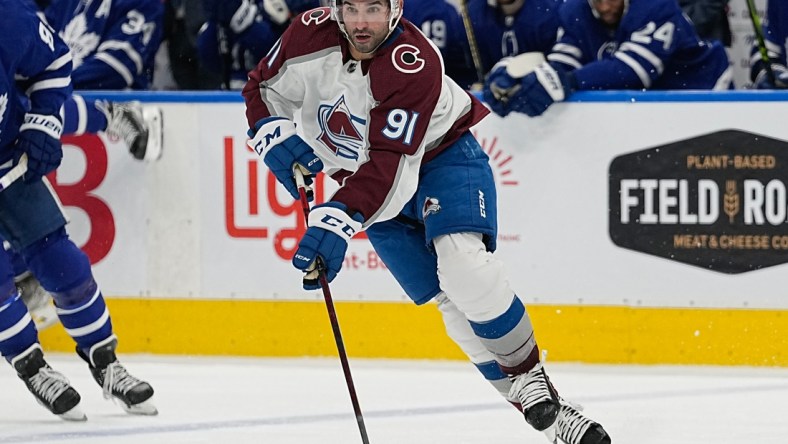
(330, 228)
(276, 141)
(39, 137)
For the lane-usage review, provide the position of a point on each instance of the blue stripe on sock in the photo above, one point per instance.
(503, 324)
(491, 371)
(13, 312)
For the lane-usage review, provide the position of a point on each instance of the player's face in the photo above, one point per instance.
(366, 23)
(610, 11)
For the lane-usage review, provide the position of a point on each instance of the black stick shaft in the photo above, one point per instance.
(332, 315)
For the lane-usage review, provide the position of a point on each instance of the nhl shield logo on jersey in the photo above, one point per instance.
(431, 206)
(338, 129)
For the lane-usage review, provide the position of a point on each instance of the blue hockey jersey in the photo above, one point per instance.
(113, 42)
(442, 23)
(35, 68)
(775, 33)
(534, 28)
(653, 47)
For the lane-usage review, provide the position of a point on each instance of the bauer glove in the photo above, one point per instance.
(39, 137)
(325, 242)
(276, 141)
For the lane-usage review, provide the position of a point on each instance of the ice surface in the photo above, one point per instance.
(288, 401)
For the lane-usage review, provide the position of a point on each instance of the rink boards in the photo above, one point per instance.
(638, 228)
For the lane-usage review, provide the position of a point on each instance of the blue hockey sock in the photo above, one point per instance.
(81, 116)
(17, 331)
(64, 270)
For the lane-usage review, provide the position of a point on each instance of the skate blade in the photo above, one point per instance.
(154, 121)
(145, 408)
(75, 414)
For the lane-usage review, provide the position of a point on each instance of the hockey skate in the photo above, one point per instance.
(51, 389)
(134, 394)
(538, 398)
(572, 427)
(38, 301)
(140, 127)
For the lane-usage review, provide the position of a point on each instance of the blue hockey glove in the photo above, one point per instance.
(237, 15)
(330, 228)
(275, 139)
(541, 88)
(780, 78)
(39, 137)
(498, 86)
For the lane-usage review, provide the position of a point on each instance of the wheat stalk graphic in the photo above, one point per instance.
(731, 204)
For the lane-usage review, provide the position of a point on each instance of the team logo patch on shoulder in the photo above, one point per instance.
(431, 206)
(316, 16)
(406, 59)
(338, 129)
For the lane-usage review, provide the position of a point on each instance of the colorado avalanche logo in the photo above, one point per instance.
(406, 59)
(431, 206)
(338, 129)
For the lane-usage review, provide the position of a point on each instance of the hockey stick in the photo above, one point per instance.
(227, 57)
(756, 24)
(332, 314)
(14, 173)
(475, 54)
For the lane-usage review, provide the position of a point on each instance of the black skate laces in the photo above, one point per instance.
(49, 384)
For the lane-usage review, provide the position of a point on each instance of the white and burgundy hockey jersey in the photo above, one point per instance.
(374, 122)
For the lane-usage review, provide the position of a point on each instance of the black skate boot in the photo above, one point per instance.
(134, 394)
(572, 427)
(51, 389)
(137, 125)
(537, 397)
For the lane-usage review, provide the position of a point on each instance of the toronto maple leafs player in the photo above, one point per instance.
(34, 83)
(505, 28)
(113, 44)
(359, 93)
(612, 44)
(238, 33)
(775, 34)
(441, 22)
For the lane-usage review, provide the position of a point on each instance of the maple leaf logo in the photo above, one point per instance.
(81, 42)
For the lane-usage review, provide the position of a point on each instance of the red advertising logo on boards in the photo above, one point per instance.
(80, 195)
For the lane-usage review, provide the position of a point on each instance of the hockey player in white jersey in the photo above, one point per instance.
(34, 83)
(376, 113)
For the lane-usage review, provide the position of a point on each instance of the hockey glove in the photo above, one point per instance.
(237, 15)
(503, 82)
(762, 81)
(39, 137)
(325, 242)
(541, 88)
(276, 141)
